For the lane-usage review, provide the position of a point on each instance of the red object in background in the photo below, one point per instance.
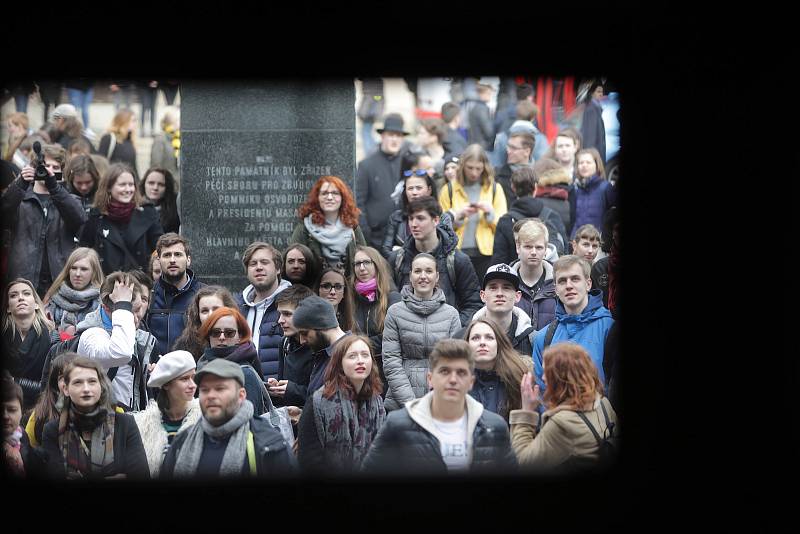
(64, 336)
(555, 98)
(423, 114)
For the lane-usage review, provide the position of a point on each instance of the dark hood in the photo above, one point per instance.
(528, 206)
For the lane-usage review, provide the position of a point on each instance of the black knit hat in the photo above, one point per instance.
(314, 313)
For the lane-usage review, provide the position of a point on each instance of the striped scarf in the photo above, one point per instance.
(79, 460)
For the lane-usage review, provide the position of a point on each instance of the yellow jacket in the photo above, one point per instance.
(484, 232)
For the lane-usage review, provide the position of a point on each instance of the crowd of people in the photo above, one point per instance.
(454, 314)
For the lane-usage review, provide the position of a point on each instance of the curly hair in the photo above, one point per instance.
(572, 378)
(348, 211)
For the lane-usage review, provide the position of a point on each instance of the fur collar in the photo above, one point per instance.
(554, 177)
(154, 437)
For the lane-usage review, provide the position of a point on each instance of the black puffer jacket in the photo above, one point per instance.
(463, 293)
(405, 447)
(505, 250)
(35, 233)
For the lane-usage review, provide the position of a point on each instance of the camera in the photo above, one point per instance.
(41, 170)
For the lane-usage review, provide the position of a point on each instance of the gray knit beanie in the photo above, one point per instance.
(315, 313)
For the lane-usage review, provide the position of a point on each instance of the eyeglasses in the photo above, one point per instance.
(328, 286)
(512, 147)
(418, 172)
(365, 264)
(330, 194)
(229, 333)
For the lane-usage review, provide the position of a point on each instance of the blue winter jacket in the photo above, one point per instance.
(166, 318)
(590, 201)
(270, 335)
(589, 330)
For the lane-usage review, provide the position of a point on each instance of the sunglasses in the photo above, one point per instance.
(229, 333)
(328, 286)
(418, 172)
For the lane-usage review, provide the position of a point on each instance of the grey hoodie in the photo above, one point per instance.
(255, 312)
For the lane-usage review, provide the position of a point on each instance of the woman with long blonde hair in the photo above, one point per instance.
(476, 202)
(118, 145)
(26, 337)
(75, 291)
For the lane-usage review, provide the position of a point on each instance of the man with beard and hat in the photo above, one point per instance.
(173, 292)
(376, 179)
(316, 324)
(227, 441)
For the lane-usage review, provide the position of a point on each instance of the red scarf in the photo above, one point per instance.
(119, 212)
(551, 192)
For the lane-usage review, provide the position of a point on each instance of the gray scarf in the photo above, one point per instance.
(233, 459)
(333, 239)
(72, 302)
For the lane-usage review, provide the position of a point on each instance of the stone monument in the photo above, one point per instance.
(250, 152)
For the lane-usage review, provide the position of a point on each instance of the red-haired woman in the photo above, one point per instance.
(341, 419)
(228, 336)
(329, 224)
(576, 409)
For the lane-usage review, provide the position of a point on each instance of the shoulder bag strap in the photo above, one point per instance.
(591, 427)
(551, 331)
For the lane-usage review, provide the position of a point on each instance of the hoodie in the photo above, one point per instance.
(521, 324)
(505, 249)
(263, 320)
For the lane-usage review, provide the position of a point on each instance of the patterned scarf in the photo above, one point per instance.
(72, 302)
(347, 428)
(232, 461)
(368, 289)
(120, 212)
(79, 460)
(11, 453)
(333, 239)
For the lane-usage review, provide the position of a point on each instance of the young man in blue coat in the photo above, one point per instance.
(263, 264)
(173, 292)
(580, 315)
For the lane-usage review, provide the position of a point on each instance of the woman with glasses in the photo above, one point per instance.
(228, 336)
(329, 224)
(334, 288)
(411, 328)
(417, 182)
(204, 303)
(374, 293)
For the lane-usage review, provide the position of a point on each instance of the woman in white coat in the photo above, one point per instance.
(174, 410)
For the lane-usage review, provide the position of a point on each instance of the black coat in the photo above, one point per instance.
(123, 152)
(403, 447)
(129, 455)
(273, 456)
(35, 234)
(122, 248)
(376, 179)
(505, 249)
(25, 360)
(295, 362)
(463, 293)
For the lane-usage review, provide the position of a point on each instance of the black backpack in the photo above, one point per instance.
(608, 444)
(546, 215)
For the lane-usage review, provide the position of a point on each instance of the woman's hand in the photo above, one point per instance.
(467, 211)
(530, 396)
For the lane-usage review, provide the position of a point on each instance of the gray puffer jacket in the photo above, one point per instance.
(410, 330)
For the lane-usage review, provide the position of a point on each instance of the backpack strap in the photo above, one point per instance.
(451, 265)
(609, 424)
(591, 427)
(551, 331)
(450, 192)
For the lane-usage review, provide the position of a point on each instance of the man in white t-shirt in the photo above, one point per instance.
(446, 431)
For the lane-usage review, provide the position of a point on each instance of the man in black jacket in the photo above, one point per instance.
(446, 431)
(376, 179)
(44, 221)
(457, 277)
(295, 359)
(202, 450)
(454, 143)
(523, 184)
